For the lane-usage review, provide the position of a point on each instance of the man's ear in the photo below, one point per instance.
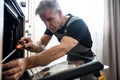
(60, 13)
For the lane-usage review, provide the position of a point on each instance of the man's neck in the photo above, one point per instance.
(64, 20)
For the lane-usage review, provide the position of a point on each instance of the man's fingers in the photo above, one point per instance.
(13, 69)
(9, 64)
(26, 39)
(10, 72)
(13, 77)
(28, 45)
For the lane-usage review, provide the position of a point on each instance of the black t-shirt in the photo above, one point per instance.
(77, 30)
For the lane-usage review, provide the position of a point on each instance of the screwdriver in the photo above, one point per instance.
(19, 46)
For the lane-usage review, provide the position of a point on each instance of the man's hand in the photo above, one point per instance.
(28, 44)
(14, 69)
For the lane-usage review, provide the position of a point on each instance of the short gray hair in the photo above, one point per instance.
(45, 4)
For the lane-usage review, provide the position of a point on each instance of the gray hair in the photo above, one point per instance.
(45, 4)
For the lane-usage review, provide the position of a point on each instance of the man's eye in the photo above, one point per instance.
(49, 19)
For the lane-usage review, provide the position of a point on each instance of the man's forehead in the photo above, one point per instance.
(48, 13)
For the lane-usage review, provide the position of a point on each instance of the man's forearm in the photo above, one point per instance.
(37, 47)
(46, 57)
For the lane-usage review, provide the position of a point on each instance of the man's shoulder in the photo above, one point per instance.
(72, 19)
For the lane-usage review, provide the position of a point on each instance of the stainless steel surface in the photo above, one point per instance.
(69, 70)
(51, 70)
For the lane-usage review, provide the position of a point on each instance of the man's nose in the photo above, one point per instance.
(47, 24)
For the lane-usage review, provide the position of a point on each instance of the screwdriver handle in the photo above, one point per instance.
(19, 46)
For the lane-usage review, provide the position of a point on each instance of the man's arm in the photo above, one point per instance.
(52, 54)
(42, 43)
(18, 66)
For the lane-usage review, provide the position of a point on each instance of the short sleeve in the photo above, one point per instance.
(77, 30)
(48, 32)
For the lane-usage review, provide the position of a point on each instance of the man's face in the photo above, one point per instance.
(51, 19)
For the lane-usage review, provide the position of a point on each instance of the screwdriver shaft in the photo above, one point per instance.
(8, 55)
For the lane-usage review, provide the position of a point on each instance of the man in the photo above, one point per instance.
(72, 32)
